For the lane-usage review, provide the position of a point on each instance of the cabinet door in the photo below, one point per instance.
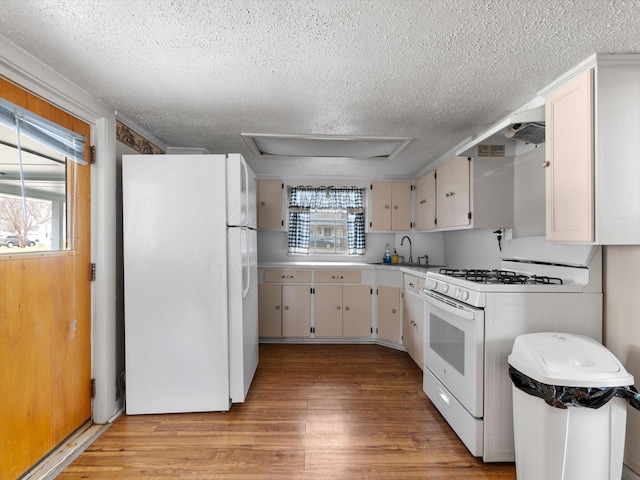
(328, 311)
(269, 310)
(296, 311)
(356, 312)
(270, 205)
(453, 193)
(412, 320)
(570, 160)
(400, 206)
(389, 314)
(381, 206)
(425, 202)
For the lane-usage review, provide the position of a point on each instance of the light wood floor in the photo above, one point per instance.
(314, 412)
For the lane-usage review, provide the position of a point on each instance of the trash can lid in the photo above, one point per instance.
(568, 360)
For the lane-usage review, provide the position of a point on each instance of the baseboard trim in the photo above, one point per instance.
(628, 474)
(60, 458)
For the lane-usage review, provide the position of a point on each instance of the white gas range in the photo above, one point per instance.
(473, 316)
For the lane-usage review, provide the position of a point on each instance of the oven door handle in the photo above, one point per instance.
(450, 307)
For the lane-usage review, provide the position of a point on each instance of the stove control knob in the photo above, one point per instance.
(464, 295)
(456, 293)
(445, 288)
(430, 284)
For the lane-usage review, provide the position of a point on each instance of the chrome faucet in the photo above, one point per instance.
(410, 248)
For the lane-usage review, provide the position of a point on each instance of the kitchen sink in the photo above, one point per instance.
(409, 265)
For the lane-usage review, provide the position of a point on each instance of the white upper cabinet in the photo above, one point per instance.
(453, 189)
(270, 199)
(425, 202)
(390, 206)
(592, 154)
(569, 161)
(469, 193)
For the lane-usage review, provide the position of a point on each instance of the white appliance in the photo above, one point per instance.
(472, 318)
(191, 314)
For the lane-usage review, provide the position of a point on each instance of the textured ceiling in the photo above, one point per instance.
(197, 73)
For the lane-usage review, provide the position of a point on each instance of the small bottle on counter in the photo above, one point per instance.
(394, 257)
(387, 254)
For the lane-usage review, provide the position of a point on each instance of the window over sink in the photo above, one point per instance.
(326, 220)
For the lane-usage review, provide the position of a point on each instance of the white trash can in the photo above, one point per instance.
(569, 408)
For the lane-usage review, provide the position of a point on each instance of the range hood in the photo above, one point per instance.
(528, 126)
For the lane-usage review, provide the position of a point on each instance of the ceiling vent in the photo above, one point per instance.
(324, 146)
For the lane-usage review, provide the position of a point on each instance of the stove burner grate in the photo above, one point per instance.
(507, 277)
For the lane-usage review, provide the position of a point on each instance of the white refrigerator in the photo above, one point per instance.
(190, 282)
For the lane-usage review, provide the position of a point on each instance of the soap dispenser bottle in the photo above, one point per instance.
(394, 257)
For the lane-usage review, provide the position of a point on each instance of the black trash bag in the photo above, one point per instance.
(561, 396)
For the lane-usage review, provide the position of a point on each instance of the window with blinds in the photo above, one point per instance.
(33, 179)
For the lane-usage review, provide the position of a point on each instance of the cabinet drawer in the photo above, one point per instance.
(337, 276)
(412, 283)
(287, 276)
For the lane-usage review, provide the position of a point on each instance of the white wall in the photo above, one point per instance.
(622, 327)
(529, 188)
(476, 248)
(272, 247)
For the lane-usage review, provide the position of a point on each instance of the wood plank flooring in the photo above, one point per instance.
(314, 412)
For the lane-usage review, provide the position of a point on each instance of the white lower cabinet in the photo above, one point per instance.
(388, 306)
(284, 310)
(284, 303)
(412, 320)
(342, 310)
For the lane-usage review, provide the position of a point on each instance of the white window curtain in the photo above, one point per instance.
(304, 200)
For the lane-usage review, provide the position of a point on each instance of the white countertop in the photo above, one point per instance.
(411, 269)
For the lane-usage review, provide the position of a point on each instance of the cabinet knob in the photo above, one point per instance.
(448, 194)
(546, 163)
(422, 201)
(386, 207)
(263, 203)
(286, 308)
(346, 308)
(339, 307)
(395, 207)
(277, 307)
(393, 310)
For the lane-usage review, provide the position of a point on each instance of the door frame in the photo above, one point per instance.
(36, 77)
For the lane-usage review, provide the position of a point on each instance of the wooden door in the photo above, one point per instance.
(269, 310)
(570, 161)
(389, 314)
(425, 202)
(296, 311)
(453, 189)
(45, 333)
(328, 311)
(356, 314)
(269, 194)
(401, 206)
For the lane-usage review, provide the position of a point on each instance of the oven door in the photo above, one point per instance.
(453, 348)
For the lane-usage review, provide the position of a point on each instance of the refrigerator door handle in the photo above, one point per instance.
(245, 214)
(246, 263)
